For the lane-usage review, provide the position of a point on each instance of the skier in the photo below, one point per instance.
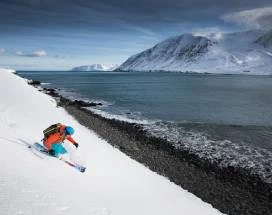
(54, 137)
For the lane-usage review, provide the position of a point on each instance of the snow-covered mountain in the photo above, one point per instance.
(247, 52)
(95, 67)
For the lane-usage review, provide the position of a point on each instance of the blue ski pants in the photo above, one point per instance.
(59, 149)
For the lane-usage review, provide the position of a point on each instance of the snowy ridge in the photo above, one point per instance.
(265, 40)
(243, 53)
(185, 48)
(113, 184)
(95, 67)
(7, 70)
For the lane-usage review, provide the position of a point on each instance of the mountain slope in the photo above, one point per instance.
(113, 183)
(95, 67)
(230, 53)
(265, 40)
(167, 54)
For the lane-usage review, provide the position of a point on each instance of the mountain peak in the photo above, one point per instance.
(185, 47)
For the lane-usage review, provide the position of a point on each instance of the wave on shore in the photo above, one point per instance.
(222, 152)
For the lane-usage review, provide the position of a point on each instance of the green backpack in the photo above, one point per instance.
(51, 130)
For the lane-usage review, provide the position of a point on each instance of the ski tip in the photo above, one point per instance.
(82, 169)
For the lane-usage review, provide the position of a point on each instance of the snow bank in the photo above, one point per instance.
(112, 184)
(7, 70)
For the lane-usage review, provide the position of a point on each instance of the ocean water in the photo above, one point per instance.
(224, 118)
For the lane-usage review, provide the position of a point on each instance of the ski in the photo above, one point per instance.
(43, 150)
(76, 166)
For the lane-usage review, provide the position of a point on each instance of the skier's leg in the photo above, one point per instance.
(59, 149)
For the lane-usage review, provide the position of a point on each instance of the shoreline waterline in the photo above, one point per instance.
(231, 190)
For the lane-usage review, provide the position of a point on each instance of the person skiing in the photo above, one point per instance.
(55, 135)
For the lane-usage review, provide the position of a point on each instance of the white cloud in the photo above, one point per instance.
(38, 53)
(19, 53)
(255, 18)
(212, 33)
(2, 51)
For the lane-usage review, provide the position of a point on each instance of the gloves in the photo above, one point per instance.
(76, 145)
(51, 152)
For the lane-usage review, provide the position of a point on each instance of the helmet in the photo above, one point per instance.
(69, 130)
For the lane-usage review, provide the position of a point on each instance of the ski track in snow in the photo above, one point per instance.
(112, 184)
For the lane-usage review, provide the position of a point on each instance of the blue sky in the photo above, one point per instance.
(61, 34)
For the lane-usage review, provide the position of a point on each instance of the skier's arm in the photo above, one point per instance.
(71, 140)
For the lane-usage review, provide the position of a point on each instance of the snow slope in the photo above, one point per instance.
(95, 67)
(113, 183)
(243, 53)
(266, 40)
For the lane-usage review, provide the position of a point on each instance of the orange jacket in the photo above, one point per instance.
(58, 137)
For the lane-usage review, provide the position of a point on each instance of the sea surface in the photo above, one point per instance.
(226, 119)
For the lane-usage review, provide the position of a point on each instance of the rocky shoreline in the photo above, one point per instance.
(231, 190)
